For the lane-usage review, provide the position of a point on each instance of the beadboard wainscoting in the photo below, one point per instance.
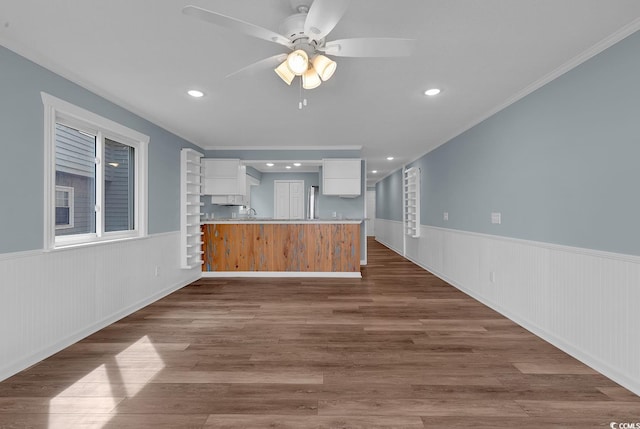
(389, 233)
(53, 299)
(583, 301)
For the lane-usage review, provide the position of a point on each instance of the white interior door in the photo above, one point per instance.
(289, 199)
(296, 199)
(282, 194)
(371, 213)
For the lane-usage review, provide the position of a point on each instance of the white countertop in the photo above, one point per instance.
(280, 221)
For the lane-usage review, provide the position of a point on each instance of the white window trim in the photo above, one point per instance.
(70, 191)
(55, 108)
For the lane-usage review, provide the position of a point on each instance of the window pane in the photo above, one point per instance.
(75, 168)
(118, 186)
(62, 216)
(62, 199)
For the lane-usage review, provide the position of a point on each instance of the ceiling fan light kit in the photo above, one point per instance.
(324, 66)
(313, 73)
(304, 33)
(310, 79)
(298, 62)
(285, 72)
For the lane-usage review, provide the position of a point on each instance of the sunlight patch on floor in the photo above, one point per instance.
(126, 374)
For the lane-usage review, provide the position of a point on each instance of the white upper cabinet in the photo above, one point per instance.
(342, 177)
(224, 177)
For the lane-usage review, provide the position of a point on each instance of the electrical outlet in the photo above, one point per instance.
(157, 271)
(496, 218)
(446, 216)
(492, 276)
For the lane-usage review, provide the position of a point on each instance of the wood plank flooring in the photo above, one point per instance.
(398, 349)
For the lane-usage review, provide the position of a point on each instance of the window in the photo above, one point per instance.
(64, 207)
(95, 177)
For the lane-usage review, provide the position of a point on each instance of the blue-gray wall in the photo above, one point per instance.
(21, 141)
(389, 197)
(561, 165)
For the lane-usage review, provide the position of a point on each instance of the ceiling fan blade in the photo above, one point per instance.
(236, 24)
(370, 47)
(323, 17)
(267, 63)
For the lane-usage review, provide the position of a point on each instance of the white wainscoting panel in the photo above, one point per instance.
(49, 300)
(389, 233)
(583, 301)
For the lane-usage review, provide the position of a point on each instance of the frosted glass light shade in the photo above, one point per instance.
(285, 73)
(298, 62)
(324, 66)
(310, 79)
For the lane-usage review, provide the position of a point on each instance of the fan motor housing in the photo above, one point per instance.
(293, 28)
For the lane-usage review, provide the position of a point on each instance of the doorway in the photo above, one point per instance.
(288, 199)
(371, 214)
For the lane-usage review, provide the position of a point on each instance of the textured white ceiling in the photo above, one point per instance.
(483, 54)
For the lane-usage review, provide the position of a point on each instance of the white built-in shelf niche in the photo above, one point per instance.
(191, 182)
(411, 181)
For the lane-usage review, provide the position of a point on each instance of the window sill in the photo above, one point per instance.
(106, 241)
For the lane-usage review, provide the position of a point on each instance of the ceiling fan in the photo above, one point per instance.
(304, 34)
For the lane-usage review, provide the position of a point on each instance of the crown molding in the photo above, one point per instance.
(353, 147)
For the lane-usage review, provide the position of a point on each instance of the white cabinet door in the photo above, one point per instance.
(344, 187)
(217, 167)
(220, 186)
(224, 177)
(241, 188)
(341, 177)
(341, 168)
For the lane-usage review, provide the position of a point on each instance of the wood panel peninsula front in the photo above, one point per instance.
(281, 247)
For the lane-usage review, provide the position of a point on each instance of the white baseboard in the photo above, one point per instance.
(283, 274)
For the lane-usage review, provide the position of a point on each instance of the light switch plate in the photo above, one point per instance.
(496, 218)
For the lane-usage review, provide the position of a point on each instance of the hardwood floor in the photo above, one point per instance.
(398, 349)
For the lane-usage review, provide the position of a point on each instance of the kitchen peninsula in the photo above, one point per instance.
(277, 247)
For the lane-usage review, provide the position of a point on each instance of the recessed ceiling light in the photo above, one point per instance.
(374, 171)
(296, 164)
(195, 93)
(389, 158)
(288, 167)
(431, 92)
(270, 164)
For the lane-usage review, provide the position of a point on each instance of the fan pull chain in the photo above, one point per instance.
(303, 101)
